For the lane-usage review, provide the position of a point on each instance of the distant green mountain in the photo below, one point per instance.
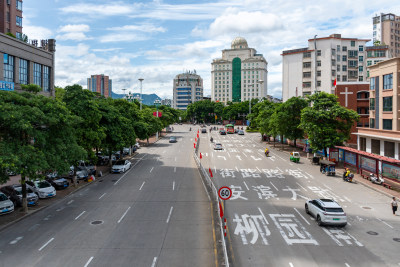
(148, 99)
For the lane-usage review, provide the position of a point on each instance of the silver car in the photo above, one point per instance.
(326, 211)
(6, 205)
(42, 189)
(121, 166)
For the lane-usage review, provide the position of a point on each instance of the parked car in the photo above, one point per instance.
(88, 166)
(14, 193)
(125, 150)
(326, 211)
(218, 146)
(241, 132)
(42, 189)
(172, 139)
(121, 166)
(81, 173)
(11, 173)
(58, 182)
(222, 132)
(6, 205)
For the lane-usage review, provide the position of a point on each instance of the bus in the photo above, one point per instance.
(230, 128)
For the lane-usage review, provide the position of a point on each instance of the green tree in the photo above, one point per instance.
(325, 122)
(32, 88)
(261, 117)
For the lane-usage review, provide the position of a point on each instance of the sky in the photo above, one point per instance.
(156, 40)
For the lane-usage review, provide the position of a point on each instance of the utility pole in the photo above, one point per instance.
(141, 80)
(315, 64)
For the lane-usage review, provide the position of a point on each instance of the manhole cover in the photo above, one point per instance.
(396, 239)
(96, 222)
(367, 208)
(372, 233)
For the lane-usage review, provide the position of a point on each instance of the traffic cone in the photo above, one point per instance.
(201, 156)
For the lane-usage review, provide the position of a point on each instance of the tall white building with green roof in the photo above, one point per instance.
(240, 75)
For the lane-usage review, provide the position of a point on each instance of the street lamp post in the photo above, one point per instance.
(141, 80)
(157, 103)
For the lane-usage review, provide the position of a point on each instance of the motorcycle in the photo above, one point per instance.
(211, 139)
(266, 153)
(376, 180)
(348, 178)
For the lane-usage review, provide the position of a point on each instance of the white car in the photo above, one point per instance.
(121, 166)
(218, 146)
(326, 211)
(137, 145)
(6, 205)
(42, 189)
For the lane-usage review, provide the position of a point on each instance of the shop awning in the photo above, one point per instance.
(371, 155)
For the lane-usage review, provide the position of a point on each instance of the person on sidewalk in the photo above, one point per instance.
(394, 205)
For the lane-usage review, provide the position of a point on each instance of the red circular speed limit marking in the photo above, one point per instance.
(224, 193)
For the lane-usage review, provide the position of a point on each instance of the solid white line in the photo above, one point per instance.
(262, 214)
(141, 186)
(124, 215)
(212, 154)
(151, 169)
(301, 186)
(228, 154)
(173, 185)
(302, 216)
(102, 195)
(40, 249)
(327, 187)
(80, 214)
(245, 155)
(309, 174)
(258, 169)
(347, 265)
(88, 262)
(274, 186)
(349, 200)
(169, 215)
(279, 169)
(215, 169)
(236, 168)
(174, 169)
(291, 264)
(128, 171)
(154, 262)
(69, 202)
(246, 185)
(385, 223)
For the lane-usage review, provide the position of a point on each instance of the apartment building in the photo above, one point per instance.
(377, 53)
(11, 17)
(101, 84)
(386, 30)
(187, 89)
(239, 75)
(316, 67)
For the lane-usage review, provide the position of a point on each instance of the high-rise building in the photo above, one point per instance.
(11, 17)
(100, 84)
(166, 102)
(383, 135)
(188, 88)
(316, 67)
(386, 30)
(241, 74)
(377, 53)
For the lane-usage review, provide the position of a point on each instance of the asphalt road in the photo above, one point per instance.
(267, 223)
(156, 214)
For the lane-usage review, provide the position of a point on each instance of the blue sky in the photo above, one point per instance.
(157, 40)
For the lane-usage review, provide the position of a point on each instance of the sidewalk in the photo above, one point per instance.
(339, 170)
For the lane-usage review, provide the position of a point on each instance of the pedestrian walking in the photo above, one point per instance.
(394, 205)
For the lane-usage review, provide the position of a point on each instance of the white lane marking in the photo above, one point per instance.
(124, 214)
(258, 169)
(215, 169)
(347, 265)
(175, 158)
(236, 168)
(141, 186)
(302, 216)
(327, 187)
(151, 169)
(60, 209)
(301, 186)
(348, 223)
(174, 169)
(245, 155)
(262, 214)
(169, 215)
(274, 186)
(212, 154)
(88, 262)
(228, 154)
(48, 242)
(154, 262)
(102, 195)
(349, 200)
(80, 215)
(33, 227)
(291, 264)
(69, 202)
(246, 185)
(15, 241)
(309, 174)
(385, 223)
(173, 185)
(129, 170)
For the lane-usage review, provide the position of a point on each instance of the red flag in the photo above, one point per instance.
(197, 135)
(221, 211)
(209, 170)
(201, 156)
(334, 83)
(194, 145)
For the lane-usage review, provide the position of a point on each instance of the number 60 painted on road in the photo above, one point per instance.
(224, 193)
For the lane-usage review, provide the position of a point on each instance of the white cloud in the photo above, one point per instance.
(122, 37)
(37, 32)
(142, 28)
(76, 36)
(114, 9)
(74, 28)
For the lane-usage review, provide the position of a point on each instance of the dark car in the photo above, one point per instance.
(203, 130)
(222, 132)
(172, 139)
(14, 193)
(57, 182)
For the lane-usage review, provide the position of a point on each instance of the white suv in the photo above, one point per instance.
(326, 211)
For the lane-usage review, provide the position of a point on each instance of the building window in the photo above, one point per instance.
(338, 48)
(344, 48)
(18, 35)
(360, 78)
(361, 48)
(306, 54)
(318, 53)
(319, 63)
(387, 124)
(338, 58)
(371, 123)
(23, 71)
(8, 71)
(8, 16)
(333, 72)
(333, 52)
(372, 83)
(353, 74)
(46, 79)
(387, 103)
(344, 58)
(306, 74)
(360, 68)
(19, 21)
(19, 5)
(372, 104)
(388, 81)
(353, 43)
(338, 78)
(344, 68)
(318, 83)
(344, 78)
(338, 67)
(333, 62)
(307, 65)
(353, 63)
(37, 74)
(318, 73)
(307, 85)
(360, 58)
(369, 62)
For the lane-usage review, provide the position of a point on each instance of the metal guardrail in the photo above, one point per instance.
(214, 197)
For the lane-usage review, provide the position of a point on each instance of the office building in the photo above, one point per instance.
(24, 63)
(101, 84)
(166, 102)
(386, 31)
(383, 135)
(187, 89)
(240, 75)
(11, 17)
(317, 66)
